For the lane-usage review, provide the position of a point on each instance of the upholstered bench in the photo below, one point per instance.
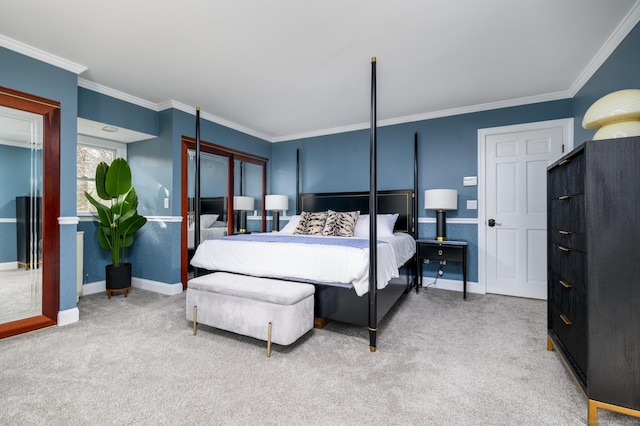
(263, 308)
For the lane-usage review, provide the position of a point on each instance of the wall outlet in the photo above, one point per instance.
(472, 204)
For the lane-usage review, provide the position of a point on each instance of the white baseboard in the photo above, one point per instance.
(7, 266)
(155, 286)
(68, 316)
(93, 288)
(455, 285)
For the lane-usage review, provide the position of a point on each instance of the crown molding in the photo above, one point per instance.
(431, 115)
(41, 55)
(213, 118)
(623, 29)
(90, 85)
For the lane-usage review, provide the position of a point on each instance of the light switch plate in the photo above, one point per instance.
(472, 204)
(470, 181)
(166, 203)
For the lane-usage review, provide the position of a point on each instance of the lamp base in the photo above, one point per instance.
(276, 221)
(242, 221)
(441, 225)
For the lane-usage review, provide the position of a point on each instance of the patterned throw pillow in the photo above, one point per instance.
(340, 224)
(311, 223)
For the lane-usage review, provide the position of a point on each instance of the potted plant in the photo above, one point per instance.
(118, 219)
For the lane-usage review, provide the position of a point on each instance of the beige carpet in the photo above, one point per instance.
(440, 361)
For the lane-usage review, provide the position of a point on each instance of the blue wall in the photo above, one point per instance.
(105, 109)
(447, 151)
(620, 71)
(156, 168)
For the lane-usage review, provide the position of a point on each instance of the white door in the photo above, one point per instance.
(514, 221)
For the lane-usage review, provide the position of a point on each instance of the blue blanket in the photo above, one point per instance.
(334, 241)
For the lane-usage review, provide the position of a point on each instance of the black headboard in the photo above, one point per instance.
(394, 201)
(214, 205)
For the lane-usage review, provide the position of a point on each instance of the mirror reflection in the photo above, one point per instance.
(20, 214)
(213, 194)
(248, 192)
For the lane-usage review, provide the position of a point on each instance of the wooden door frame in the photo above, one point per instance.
(50, 112)
(483, 134)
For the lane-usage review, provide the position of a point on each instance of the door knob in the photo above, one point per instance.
(492, 223)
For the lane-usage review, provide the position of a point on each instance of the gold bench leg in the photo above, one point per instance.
(195, 320)
(549, 344)
(269, 341)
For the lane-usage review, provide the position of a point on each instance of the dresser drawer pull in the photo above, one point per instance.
(563, 162)
(564, 197)
(566, 319)
(565, 284)
(565, 232)
(566, 249)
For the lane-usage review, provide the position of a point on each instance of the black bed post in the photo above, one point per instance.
(298, 207)
(196, 196)
(373, 214)
(414, 225)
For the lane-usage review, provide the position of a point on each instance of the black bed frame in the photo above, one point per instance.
(343, 304)
(214, 205)
(338, 303)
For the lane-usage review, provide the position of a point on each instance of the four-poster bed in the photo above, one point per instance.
(335, 300)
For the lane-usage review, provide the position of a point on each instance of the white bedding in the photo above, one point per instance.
(310, 262)
(206, 233)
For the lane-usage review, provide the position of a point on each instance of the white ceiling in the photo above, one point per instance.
(284, 69)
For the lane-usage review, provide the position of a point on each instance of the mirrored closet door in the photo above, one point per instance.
(29, 150)
(21, 195)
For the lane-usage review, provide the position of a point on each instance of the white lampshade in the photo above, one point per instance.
(441, 199)
(616, 115)
(241, 202)
(276, 202)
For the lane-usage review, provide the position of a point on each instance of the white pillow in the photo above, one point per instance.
(291, 225)
(206, 220)
(385, 224)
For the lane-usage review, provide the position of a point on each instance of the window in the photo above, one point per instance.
(90, 152)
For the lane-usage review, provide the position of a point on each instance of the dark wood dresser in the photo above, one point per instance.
(594, 270)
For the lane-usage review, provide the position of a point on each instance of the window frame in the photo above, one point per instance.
(120, 149)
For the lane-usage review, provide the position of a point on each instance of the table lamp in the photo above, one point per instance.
(243, 204)
(441, 200)
(276, 203)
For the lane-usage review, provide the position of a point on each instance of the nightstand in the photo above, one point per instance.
(434, 250)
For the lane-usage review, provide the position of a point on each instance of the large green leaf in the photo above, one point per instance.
(101, 174)
(127, 241)
(118, 178)
(104, 213)
(131, 225)
(125, 204)
(104, 241)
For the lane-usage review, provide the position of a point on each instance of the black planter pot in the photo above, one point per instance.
(118, 276)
